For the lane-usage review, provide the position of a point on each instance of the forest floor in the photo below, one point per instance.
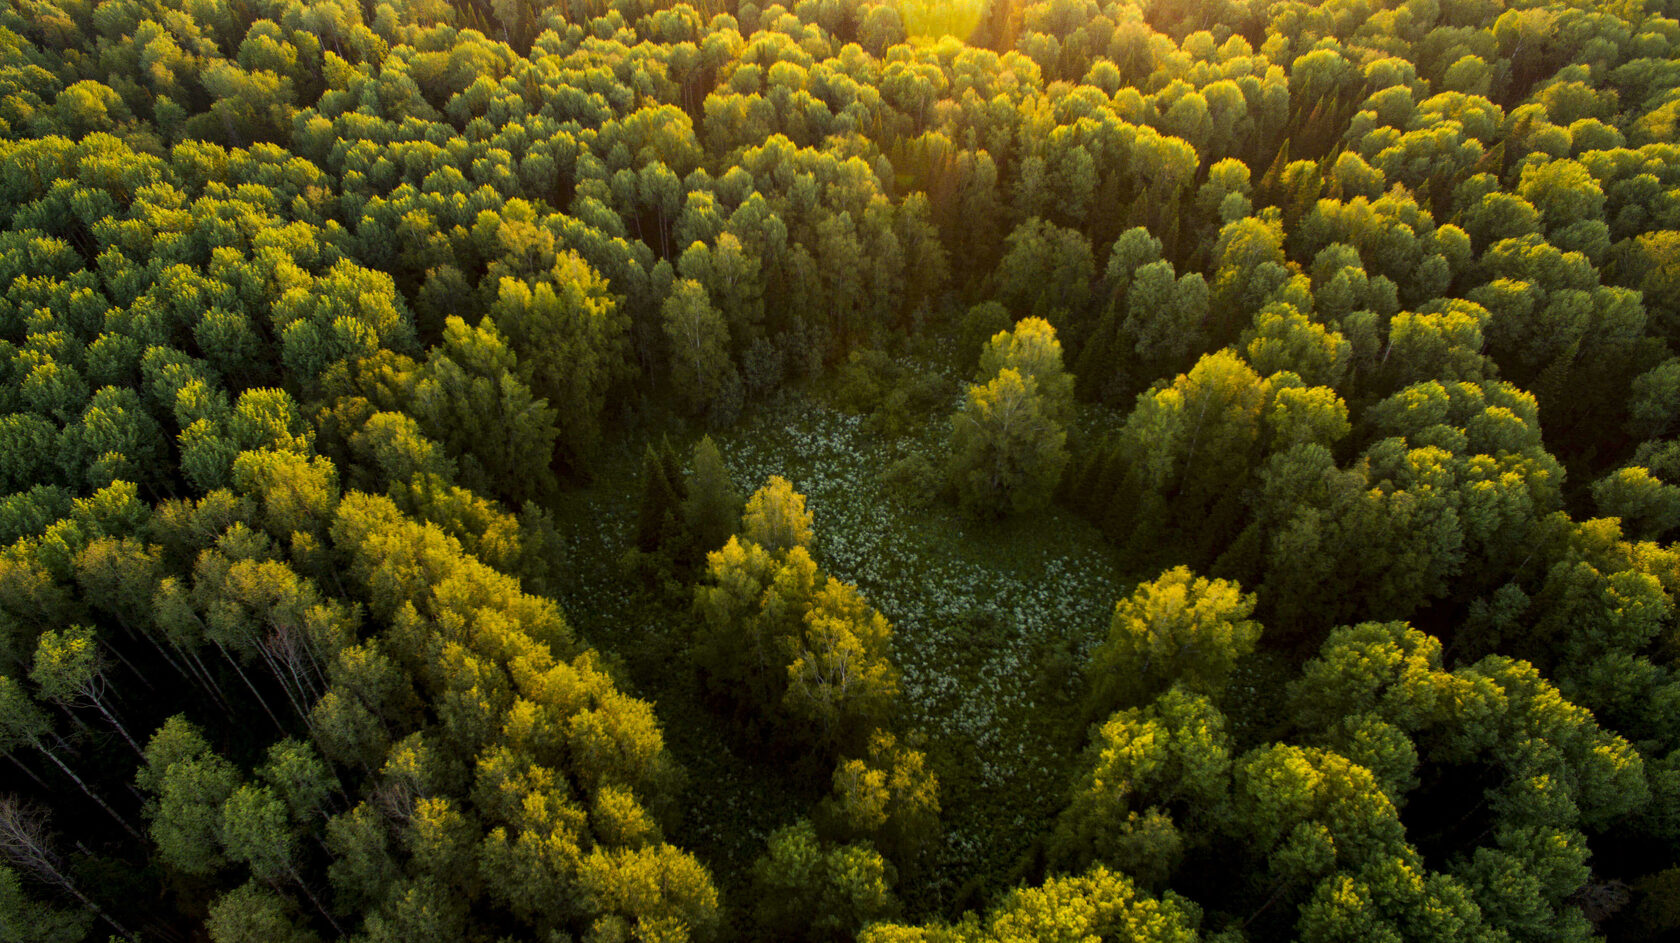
(991, 623)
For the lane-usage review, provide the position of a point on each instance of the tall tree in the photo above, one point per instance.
(1175, 629)
(712, 509)
(1007, 448)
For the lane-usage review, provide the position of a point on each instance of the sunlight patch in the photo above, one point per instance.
(932, 19)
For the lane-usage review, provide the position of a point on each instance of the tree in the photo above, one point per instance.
(348, 313)
(23, 724)
(469, 397)
(775, 517)
(701, 367)
(1647, 506)
(658, 522)
(254, 830)
(26, 846)
(889, 797)
(1007, 449)
(188, 784)
(804, 649)
(1310, 812)
(1146, 770)
(810, 890)
(252, 913)
(712, 509)
(1393, 898)
(1176, 629)
(115, 439)
(1184, 448)
(28, 447)
(1099, 904)
(1167, 322)
(1032, 350)
(363, 866)
(30, 921)
(571, 341)
(1285, 339)
(656, 890)
(1654, 404)
(840, 679)
(1562, 190)
(69, 670)
(1046, 272)
(748, 603)
(980, 323)
(1654, 268)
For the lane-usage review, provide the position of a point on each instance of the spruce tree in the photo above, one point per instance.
(712, 509)
(660, 518)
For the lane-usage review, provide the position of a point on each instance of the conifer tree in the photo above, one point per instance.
(712, 509)
(660, 519)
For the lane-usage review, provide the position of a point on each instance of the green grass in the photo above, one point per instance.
(991, 623)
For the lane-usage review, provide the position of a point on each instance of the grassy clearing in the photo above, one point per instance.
(991, 623)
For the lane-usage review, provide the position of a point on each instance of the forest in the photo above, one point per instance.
(895, 471)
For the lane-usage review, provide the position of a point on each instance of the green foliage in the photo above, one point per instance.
(807, 889)
(659, 520)
(569, 336)
(805, 649)
(1178, 629)
(24, 919)
(188, 784)
(775, 517)
(1031, 350)
(1100, 903)
(890, 797)
(1007, 447)
(330, 335)
(712, 509)
(699, 340)
(251, 913)
(1144, 767)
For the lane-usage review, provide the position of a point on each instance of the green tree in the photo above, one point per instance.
(571, 341)
(188, 785)
(841, 679)
(889, 797)
(809, 890)
(469, 397)
(659, 519)
(24, 724)
(252, 913)
(69, 670)
(26, 847)
(1100, 903)
(1176, 629)
(1146, 770)
(1032, 350)
(1647, 506)
(712, 509)
(1007, 448)
(1046, 272)
(31, 921)
(775, 517)
(701, 367)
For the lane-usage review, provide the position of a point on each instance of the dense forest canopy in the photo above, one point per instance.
(909, 471)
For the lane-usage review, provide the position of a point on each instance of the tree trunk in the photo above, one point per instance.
(89, 792)
(99, 705)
